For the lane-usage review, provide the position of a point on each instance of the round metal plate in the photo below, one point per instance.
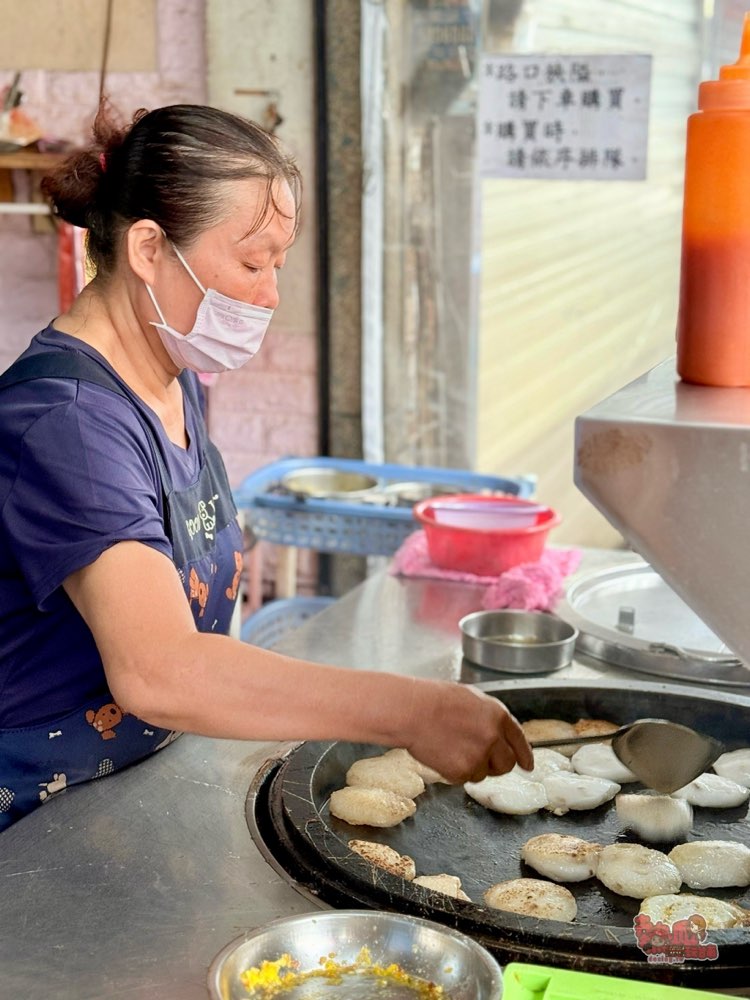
(629, 617)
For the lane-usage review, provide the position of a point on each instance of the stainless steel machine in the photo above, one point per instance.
(668, 464)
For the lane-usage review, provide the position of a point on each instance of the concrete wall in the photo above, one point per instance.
(269, 408)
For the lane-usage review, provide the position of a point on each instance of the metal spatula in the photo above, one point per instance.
(663, 755)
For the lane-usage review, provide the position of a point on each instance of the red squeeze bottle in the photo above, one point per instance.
(713, 323)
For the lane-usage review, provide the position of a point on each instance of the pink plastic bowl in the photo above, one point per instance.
(484, 535)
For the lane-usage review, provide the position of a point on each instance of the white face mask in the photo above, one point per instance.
(225, 335)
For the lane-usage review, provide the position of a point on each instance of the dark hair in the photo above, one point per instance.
(169, 165)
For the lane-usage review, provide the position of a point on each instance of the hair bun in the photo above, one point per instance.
(72, 188)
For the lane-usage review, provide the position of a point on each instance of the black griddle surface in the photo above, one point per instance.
(452, 833)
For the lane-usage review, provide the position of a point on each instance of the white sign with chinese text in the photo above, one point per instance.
(564, 116)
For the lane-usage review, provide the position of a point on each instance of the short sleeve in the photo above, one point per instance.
(86, 479)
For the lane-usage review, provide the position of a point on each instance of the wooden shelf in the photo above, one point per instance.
(30, 159)
(24, 208)
(36, 164)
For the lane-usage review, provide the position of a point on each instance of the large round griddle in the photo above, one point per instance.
(289, 816)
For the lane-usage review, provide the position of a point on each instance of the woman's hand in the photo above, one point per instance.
(463, 733)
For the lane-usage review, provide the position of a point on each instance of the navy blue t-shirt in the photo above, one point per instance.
(77, 475)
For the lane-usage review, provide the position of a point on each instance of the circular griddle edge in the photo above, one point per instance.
(290, 823)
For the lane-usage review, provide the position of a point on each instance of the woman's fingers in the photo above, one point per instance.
(519, 744)
(479, 774)
(502, 759)
(469, 740)
(510, 745)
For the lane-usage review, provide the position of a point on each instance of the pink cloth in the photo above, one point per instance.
(535, 586)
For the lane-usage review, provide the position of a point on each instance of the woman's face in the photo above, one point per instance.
(244, 267)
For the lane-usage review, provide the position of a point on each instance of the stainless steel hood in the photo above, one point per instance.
(668, 464)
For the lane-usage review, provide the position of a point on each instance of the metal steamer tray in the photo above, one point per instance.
(628, 616)
(287, 812)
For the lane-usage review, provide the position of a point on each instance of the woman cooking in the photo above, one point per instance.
(120, 549)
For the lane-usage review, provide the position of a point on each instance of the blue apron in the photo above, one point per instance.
(98, 738)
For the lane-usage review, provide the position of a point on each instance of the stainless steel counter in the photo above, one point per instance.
(128, 886)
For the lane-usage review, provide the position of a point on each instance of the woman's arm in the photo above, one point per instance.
(161, 669)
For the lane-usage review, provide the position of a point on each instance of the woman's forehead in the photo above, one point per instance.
(266, 218)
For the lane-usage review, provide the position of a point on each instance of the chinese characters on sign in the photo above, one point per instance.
(564, 116)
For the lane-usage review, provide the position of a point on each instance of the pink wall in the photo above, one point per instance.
(266, 411)
(256, 416)
(64, 105)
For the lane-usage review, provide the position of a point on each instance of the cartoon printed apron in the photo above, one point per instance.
(97, 738)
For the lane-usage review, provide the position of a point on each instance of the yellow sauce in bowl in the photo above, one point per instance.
(278, 978)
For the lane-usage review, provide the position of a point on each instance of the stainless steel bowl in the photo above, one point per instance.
(329, 483)
(412, 492)
(421, 948)
(518, 642)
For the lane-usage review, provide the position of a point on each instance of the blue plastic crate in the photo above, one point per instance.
(358, 528)
(270, 624)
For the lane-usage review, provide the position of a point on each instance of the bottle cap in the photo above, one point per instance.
(740, 70)
(732, 90)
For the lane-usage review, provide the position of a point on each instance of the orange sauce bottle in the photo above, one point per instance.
(713, 323)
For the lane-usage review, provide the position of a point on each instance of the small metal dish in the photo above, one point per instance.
(518, 642)
(329, 483)
(420, 948)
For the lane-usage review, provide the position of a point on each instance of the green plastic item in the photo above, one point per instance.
(537, 982)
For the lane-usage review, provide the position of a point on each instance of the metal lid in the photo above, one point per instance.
(629, 617)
